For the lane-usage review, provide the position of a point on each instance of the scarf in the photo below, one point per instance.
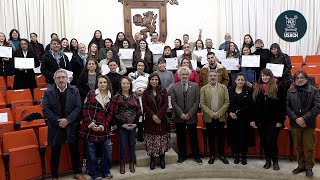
(263, 88)
(58, 57)
(83, 57)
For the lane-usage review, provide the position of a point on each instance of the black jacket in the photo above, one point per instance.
(264, 59)
(52, 110)
(6, 66)
(38, 49)
(270, 111)
(309, 111)
(24, 79)
(82, 84)
(77, 67)
(49, 66)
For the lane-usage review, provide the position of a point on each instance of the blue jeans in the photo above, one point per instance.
(93, 166)
(127, 137)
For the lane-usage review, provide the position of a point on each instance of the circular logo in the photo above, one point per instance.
(291, 26)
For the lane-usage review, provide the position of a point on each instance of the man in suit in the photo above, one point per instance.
(185, 102)
(214, 101)
(62, 106)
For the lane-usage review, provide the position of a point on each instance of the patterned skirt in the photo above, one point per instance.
(157, 144)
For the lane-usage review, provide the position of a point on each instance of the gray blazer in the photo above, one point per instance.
(190, 100)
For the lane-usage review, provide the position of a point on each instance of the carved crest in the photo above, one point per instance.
(147, 20)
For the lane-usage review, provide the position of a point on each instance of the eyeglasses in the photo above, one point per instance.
(61, 77)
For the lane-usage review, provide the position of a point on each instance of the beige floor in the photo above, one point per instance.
(191, 171)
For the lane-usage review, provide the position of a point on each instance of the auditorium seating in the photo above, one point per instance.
(22, 152)
(2, 169)
(3, 86)
(6, 126)
(21, 97)
(296, 59)
(3, 103)
(313, 70)
(296, 67)
(10, 82)
(65, 157)
(38, 93)
(41, 81)
(22, 112)
(313, 59)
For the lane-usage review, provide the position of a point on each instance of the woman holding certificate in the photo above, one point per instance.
(143, 53)
(113, 55)
(193, 77)
(249, 72)
(6, 66)
(269, 103)
(231, 53)
(278, 57)
(24, 77)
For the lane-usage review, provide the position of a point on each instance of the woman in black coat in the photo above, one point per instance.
(241, 135)
(78, 62)
(6, 64)
(88, 78)
(25, 78)
(269, 104)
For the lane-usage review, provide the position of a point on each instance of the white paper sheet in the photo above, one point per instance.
(126, 53)
(194, 64)
(230, 63)
(179, 52)
(23, 63)
(105, 69)
(156, 48)
(203, 54)
(69, 55)
(5, 51)
(277, 69)
(37, 70)
(3, 117)
(172, 63)
(220, 54)
(250, 61)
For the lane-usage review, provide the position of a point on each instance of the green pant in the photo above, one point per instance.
(304, 140)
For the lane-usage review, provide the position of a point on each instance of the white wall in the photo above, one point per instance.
(107, 16)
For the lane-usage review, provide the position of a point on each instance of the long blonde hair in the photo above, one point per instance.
(272, 87)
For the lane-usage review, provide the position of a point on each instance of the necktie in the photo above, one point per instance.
(184, 87)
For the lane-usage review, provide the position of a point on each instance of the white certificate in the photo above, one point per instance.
(220, 54)
(105, 69)
(230, 63)
(179, 52)
(194, 64)
(5, 51)
(156, 48)
(250, 61)
(172, 63)
(37, 70)
(277, 69)
(3, 117)
(126, 53)
(169, 102)
(70, 75)
(203, 54)
(69, 55)
(23, 63)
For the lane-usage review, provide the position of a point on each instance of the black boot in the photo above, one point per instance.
(276, 166)
(268, 164)
(244, 160)
(236, 159)
(162, 161)
(152, 162)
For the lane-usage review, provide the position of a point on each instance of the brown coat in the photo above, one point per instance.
(158, 107)
(223, 76)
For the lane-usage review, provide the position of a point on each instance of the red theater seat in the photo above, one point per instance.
(24, 158)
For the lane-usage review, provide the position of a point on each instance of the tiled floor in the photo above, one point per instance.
(191, 171)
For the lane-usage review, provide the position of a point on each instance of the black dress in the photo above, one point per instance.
(241, 134)
(25, 79)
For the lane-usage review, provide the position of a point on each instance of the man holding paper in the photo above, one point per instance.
(53, 60)
(223, 76)
(24, 77)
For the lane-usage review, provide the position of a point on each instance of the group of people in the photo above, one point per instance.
(136, 98)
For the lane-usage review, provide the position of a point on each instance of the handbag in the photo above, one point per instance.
(31, 116)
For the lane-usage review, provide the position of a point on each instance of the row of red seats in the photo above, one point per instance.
(7, 84)
(23, 151)
(311, 66)
(285, 142)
